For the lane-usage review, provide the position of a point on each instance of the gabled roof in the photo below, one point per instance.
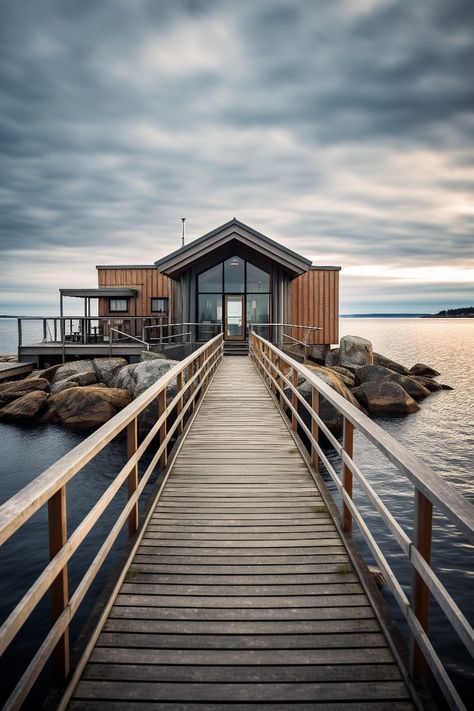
(234, 230)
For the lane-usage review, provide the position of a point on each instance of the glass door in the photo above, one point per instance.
(234, 317)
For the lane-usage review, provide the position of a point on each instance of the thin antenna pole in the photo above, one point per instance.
(183, 220)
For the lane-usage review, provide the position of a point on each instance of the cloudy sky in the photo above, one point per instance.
(343, 129)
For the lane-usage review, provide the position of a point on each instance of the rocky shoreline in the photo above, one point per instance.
(82, 395)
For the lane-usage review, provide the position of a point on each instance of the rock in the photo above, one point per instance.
(411, 386)
(317, 353)
(333, 357)
(137, 377)
(47, 373)
(429, 383)
(76, 367)
(86, 378)
(88, 407)
(380, 359)
(367, 373)
(329, 414)
(153, 355)
(107, 368)
(14, 390)
(384, 397)
(355, 351)
(25, 408)
(424, 370)
(345, 375)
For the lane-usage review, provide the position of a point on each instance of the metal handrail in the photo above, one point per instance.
(127, 335)
(430, 489)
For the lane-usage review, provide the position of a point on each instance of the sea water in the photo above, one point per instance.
(441, 434)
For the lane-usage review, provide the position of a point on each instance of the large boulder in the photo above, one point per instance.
(86, 408)
(75, 380)
(14, 390)
(344, 374)
(77, 367)
(367, 373)
(380, 359)
(107, 368)
(333, 357)
(384, 397)
(423, 370)
(411, 386)
(355, 351)
(328, 413)
(137, 377)
(47, 373)
(25, 408)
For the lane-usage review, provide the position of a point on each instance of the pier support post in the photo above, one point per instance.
(314, 427)
(348, 445)
(161, 408)
(422, 537)
(179, 406)
(57, 525)
(132, 445)
(294, 400)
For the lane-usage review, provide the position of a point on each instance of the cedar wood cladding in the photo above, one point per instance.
(314, 297)
(147, 280)
(315, 302)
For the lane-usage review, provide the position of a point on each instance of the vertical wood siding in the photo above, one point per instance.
(315, 302)
(148, 282)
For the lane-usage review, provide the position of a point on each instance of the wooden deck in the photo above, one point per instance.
(13, 369)
(241, 593)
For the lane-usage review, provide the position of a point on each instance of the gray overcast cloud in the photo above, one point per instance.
(343, 129)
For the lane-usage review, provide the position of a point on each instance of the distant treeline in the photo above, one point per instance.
(465, 312)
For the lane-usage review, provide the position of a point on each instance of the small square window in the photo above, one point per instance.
(159, 305)
(118, 305)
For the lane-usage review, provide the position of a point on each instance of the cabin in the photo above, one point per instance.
(231, 279)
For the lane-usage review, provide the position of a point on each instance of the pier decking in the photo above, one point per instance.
(241, 591)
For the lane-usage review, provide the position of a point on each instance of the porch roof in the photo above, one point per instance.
(113, 292)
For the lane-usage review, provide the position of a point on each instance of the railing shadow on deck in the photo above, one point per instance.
(191, 378)
(281, 372)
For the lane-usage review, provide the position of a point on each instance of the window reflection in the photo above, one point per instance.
(234, 275)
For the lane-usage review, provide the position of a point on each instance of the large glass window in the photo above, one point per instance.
(234, 275)
(209, 315)
(211, 280)
(215, 289)
(257, 280)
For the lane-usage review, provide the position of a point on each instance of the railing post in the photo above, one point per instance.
(422, 537)
(348, 446)
(294, 400)
(192, 386)
(162, 433)
(57, 526)
(314, 427)
(132, 445)
(179, 406)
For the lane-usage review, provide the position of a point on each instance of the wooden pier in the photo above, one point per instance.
(241, 590)
(13, 369)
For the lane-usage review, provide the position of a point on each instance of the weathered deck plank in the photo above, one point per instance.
(241, 592)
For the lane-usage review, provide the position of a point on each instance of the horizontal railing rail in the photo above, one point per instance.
(191, 378)
(281, 374)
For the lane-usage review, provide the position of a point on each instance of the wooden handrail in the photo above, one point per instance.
(281, 372)
(192, 376)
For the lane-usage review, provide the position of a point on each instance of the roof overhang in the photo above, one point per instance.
(113, 292)
(175, 263)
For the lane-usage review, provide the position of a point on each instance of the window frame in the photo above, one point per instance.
(160, 298)
(118, 311)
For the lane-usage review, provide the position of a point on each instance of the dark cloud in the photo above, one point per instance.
(343, 129)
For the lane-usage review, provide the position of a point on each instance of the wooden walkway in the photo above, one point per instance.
(241, 594)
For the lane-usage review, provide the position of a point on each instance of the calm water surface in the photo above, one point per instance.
(441, 434)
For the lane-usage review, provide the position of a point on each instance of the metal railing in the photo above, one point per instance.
(281, 374)
(191, 378)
